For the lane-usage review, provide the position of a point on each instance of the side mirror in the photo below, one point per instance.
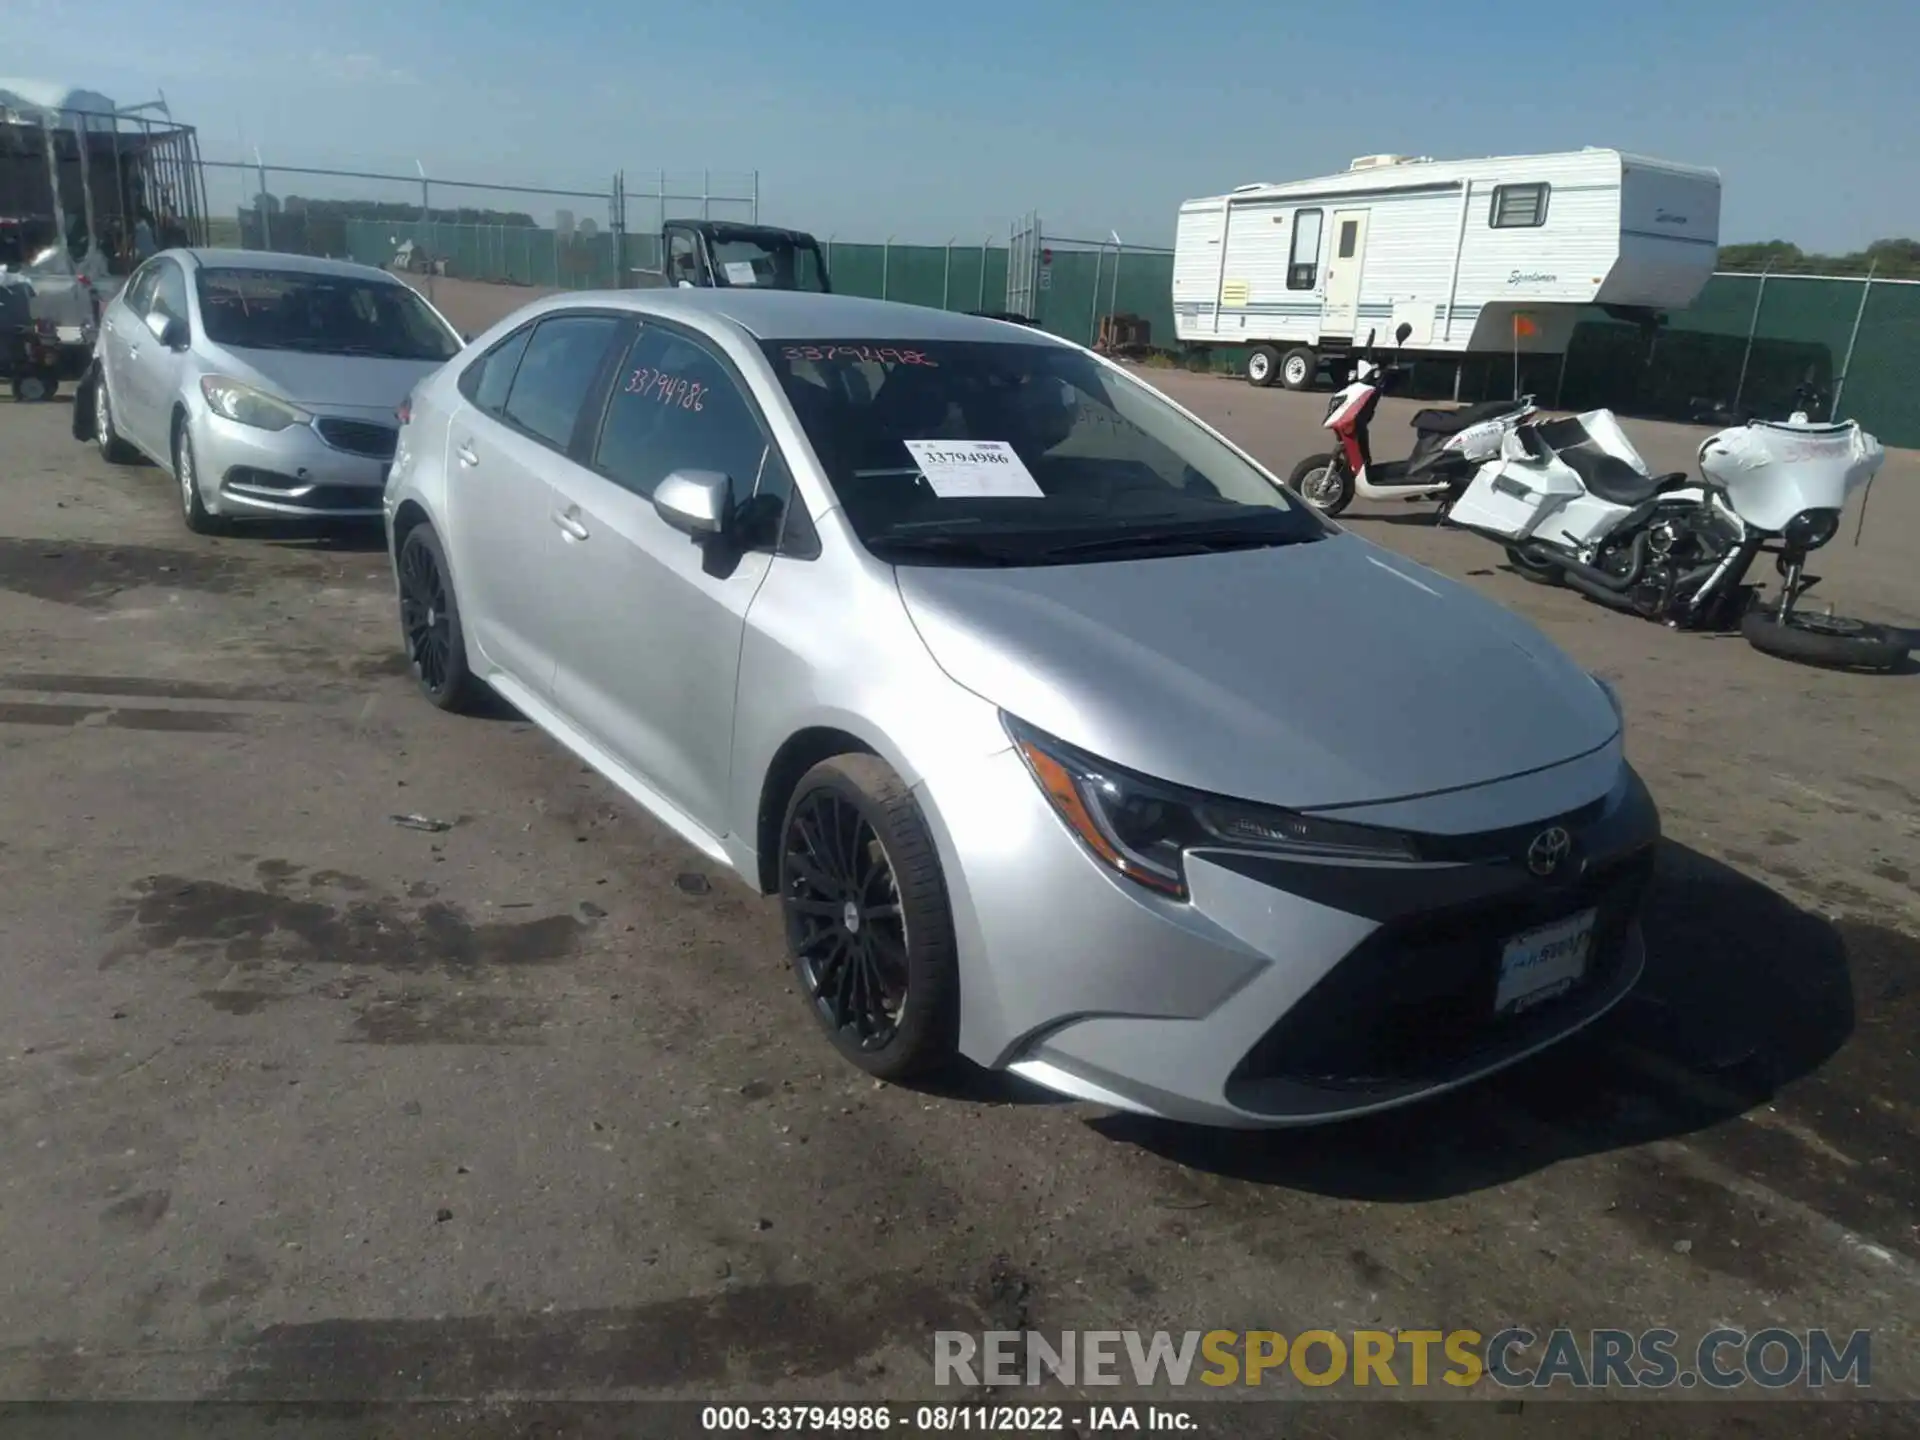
(694, 502)
(1400, 335)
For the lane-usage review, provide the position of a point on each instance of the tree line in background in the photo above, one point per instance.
(1887, 259)
(391, 210)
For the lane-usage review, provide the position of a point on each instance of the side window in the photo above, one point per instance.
(486, 381)
(169, 292)
(1518, 207)
(682, 259)
(1304, 264)
(674, 406)
(140, 287)
(1349, 239)
(555, 374)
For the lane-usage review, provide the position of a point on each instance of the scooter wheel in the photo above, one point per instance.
(1834, 641)
(1323, 483)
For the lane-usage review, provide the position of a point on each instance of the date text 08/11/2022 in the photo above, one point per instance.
(944, 1419)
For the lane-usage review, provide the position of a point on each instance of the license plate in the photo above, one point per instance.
(1543, 963)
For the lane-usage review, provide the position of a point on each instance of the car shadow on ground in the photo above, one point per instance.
(1744, 993)
(342, 537)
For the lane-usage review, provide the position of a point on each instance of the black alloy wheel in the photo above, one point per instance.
(430, 623)
(867, 922)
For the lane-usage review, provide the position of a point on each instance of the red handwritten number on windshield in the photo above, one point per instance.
(874, 354)
(666, 389)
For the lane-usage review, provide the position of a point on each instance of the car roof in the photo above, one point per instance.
(806, 315)
(281, 261)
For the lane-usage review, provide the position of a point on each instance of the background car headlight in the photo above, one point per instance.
(1811, 529)
(245, 405)
(1144, 829)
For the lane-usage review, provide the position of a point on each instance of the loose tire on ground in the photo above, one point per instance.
(1834, 641)
(1263, 366)
(1299, 368)
(430, 629)
(1323, 483)
(924, 1035)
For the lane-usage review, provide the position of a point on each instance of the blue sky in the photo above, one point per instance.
(924, 121)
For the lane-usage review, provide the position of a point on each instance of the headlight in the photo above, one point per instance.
(1144, 829)
(247, 406)
(1811, 529)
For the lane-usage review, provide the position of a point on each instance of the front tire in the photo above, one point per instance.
(868, 926)
(1833, 641)
(186, 473)
(1323, 482)
(430, 628)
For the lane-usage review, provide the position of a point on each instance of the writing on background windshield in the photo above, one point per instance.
(926, 436)
(319, 314)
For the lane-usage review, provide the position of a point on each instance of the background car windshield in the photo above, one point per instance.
(320, 314)
(1106, 455)
(774, 265)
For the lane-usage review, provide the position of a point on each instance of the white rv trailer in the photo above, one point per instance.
(1474, 255)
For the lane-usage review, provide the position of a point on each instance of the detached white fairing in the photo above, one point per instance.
(1773, 472)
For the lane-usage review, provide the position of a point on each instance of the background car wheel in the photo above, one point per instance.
(1299, 368)
(200, 520)
(868, 926)
(1527, 568)
(430, 624)
(1263, 365)
(1831, 640)
(113, 449)
(40, 385)
(1323, 482)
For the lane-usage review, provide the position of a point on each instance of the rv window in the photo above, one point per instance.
(1518, 206)
(1349, 237)
(1306, 250)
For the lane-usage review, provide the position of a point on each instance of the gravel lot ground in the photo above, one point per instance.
(299, 1103)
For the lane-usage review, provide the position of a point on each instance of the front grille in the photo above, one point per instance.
(1415, 1001)
(246, 482)
(359, 437)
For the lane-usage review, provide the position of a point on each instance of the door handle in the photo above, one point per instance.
(466, 456)
(569, 522)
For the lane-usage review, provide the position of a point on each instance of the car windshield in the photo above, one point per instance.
(772, 264)
(982, 453)
(320, 314)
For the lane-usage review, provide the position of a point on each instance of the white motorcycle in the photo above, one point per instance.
(1447, 446)
(1572, 502)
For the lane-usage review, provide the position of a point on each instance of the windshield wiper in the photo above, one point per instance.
(1195, 541)
(959, 547)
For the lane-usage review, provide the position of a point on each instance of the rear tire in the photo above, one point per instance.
(1263, 366)
(1833, 641)
(1323, 482)
(869, 930)
(1528, 568)
(430, 629)
(1299, 368)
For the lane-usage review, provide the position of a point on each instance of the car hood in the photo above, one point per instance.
(347, 381)
(1316, 675)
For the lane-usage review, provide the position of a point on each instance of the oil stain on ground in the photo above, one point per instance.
(89, 574)
(762, 1334)
(226, 925)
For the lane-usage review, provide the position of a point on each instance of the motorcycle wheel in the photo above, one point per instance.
(1323, 483)
(1834, 641)
(1528, 568)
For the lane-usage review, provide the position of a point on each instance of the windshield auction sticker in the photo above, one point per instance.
(974, 470)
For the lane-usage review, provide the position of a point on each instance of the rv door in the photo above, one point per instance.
(1347, 250)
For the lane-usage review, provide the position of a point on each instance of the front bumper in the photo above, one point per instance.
(1288, 991)
(294, 472)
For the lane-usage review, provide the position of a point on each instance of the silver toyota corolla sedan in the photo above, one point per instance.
(1069, 740)
(265, 384)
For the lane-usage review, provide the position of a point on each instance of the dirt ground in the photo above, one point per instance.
(300, 1103)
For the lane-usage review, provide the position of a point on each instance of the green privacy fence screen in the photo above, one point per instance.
(1746, 342)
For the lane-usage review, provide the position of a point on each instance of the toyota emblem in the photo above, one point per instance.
(1548, 849)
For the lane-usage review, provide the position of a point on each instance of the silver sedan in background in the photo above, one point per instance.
(267, 385)
(1069, 739)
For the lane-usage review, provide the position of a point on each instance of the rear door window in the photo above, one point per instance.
(555, 375)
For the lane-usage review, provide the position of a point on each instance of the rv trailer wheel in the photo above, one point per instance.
(1263, 364)
(1299, 368)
